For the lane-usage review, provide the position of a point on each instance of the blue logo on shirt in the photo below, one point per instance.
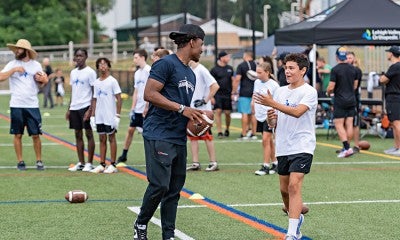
(77, 81)
(100, 92)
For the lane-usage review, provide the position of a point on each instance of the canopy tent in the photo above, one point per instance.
(267, 45)
(350, 22)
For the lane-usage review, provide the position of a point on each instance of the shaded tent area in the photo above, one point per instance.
(267, 45)
(350, 22)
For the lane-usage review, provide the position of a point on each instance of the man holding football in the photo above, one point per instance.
(169, 91)
(26, 76)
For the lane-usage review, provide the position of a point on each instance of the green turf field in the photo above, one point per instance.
(352, 198)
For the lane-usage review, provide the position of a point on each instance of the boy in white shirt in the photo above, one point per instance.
(105, 118)
(293, 115)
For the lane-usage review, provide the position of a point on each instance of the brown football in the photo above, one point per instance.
(364, 145)
(76, 196)
(196, 129)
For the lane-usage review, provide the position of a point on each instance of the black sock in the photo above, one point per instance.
(346, 145)
(103, 164)
(124, 152)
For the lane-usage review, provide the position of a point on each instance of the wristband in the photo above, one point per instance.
(181, 109)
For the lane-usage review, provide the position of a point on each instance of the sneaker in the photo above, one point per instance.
(339, 150)
(21, 166)
(220, 135)
(264, 170)
(243, 137)
(88, 167)
(392, 149)
(77, 167)
(140, 232)
(290, 237)
(194, 167)
(253, 137)
(356, 149)
(39, 165)
(226, 133)
(345, 153)
(395, 153)
(170, 239)
(298, 232)
(122, 158)
(110, 169)
(213, 166)
(273, 169)
(98, 169)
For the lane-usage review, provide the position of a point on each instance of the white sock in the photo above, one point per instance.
(293, 222)
(275, 162)
(266, 165)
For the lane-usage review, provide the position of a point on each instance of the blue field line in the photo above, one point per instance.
(282, 230)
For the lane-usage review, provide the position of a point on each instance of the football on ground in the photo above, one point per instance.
(76, 196)
(196, 129)
(364, 145)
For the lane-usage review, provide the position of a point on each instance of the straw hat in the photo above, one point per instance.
(25, 44)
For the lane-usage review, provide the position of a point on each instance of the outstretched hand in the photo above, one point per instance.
(264, 99)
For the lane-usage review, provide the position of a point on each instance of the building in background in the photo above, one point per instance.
(120, 13)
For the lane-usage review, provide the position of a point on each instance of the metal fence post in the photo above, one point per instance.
(71, 52)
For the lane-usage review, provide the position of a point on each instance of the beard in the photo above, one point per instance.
(20, 56)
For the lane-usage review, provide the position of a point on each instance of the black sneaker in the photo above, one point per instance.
(122, 158)
(194, 167)
(140, 232)
(39, 165)
(356, 149)
(273, 169)
(21, 166)
(226, 133)
(264, 170)
(220, 135)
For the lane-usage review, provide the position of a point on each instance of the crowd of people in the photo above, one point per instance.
(176, 88)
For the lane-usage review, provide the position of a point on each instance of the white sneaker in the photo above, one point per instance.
(98, 169)
(88, 167)
(213, 166)
(395, 152)
(110, 169)
(345, 153)
(77, 167)
(388, 151)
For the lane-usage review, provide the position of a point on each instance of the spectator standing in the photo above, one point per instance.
(223, 74)
(281, 77)
(243, 86)
(169, 91)
(47, 87)
(59, 87)
(262, 85)
(342, 85)
(106, 112)
(80, 109)
(25, 74)
(293, 115)
(392, 96)
(324, 71)
(138, 103)
(352, 60)
(205, 89)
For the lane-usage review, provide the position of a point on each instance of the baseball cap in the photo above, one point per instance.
(282, 56)
(394, 49)
(341, 53)
(222, 54)
(187, 32)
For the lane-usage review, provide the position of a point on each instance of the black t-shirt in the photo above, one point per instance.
(246, 85)
(393, 86)
(344, 75)
(223, 75)
(359, 78)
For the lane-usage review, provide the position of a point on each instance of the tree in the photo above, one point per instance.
(47, 22)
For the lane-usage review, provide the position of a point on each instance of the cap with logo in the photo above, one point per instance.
(341, 53)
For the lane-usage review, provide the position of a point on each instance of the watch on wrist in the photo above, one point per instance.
(181, 109)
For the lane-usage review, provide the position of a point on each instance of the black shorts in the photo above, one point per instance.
(136, 120)
(263, 127)
(339, 112)
(223, 102)
(105, 129)
(76, 119)
(393, 110)
(29, 117)
(300, 163)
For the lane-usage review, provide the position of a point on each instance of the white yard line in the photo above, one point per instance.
(156, 221)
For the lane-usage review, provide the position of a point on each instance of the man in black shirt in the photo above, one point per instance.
(392, 96)
(342, 84)
(223, 73)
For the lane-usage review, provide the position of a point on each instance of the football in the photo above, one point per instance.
(251, 74)
(196, 129)
(76, 196)
(304, 209)
(38, 76)
(364, 145)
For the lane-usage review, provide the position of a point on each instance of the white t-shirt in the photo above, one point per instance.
(141, 76)
(296, 135)
(104, 92)
(262, 88)
(204, 80)
(23, 87)
(81, 81)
